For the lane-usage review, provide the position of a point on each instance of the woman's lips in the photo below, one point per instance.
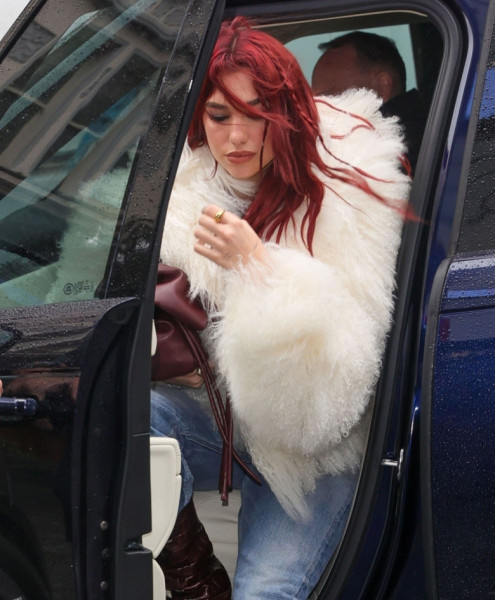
(240, 157)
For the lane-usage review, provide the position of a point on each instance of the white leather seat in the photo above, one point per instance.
(220, 523)
(165, 493)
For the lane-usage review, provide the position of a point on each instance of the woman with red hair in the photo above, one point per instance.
(286, 216)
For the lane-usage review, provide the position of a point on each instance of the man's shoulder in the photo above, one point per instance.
(407, 106)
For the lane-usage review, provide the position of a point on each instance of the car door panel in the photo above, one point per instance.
(68, 444)
(457, 413)
(459, 425)
(83, 179)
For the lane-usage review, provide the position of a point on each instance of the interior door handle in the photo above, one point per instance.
(18, 407)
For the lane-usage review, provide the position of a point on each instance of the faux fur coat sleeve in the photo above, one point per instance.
(299, 342)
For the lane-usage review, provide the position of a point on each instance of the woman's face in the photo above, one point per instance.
(234, 138)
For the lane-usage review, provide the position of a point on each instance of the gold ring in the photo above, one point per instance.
(198, 371)
(219, 215)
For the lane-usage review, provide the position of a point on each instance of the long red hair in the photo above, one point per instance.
(289, 108)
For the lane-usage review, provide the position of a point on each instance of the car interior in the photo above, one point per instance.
(422, 43)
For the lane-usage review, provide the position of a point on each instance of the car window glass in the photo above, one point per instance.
(75, 100)
(419, 46)
(476, 231)
(308, 51)
(417, 40)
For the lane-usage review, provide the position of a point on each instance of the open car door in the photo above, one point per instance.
(93, 95)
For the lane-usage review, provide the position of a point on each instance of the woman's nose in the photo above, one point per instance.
(238, 132)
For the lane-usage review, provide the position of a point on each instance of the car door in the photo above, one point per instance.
(92, 100)
(459, 430)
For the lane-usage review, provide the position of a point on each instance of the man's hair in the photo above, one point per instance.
(372, 49)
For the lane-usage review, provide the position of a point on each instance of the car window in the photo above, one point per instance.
(477, 222)
(308, 50)
(419, 45)
(417, 40)
(75, 100)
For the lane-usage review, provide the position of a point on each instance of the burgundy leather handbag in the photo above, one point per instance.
(174, 311)
(179, 351)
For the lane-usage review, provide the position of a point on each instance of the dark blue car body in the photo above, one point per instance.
(74, 450)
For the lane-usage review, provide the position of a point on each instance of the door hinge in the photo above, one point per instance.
(390, 462)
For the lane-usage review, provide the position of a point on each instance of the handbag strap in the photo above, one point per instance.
(222, 414)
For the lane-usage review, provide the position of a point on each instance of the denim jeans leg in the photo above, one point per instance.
(279, 558)
(176, 414)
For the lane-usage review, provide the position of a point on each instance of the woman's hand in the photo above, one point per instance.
(226, 239)
(193, 379)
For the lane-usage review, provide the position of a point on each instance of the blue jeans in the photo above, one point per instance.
(278, 558)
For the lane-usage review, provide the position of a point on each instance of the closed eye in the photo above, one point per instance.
(218, 118)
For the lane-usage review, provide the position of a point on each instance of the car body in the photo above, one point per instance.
(95, 100)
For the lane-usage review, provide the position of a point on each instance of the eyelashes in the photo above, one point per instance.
(217, 118)
(224, 118)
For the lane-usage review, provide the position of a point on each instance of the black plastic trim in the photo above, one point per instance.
(425, 433)
(19, 25)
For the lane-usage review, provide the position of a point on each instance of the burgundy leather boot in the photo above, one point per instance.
(192, 571)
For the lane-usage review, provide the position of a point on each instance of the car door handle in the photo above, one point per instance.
(18, 407)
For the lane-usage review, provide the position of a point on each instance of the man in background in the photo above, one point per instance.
(367, 60)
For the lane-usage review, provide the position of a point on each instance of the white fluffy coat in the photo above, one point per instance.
(299, 343)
